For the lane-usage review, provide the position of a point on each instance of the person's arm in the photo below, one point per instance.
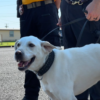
(57, 3)
(93, 11)
(19, 2)
(59, 22)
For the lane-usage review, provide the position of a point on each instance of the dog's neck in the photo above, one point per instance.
(47, 65)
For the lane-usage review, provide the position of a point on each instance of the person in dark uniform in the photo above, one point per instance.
(37, 18)
(71, 10)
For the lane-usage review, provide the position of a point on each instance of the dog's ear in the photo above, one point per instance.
(47, 47)
(16, 44)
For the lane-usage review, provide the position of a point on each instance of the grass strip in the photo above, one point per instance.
(2, 44)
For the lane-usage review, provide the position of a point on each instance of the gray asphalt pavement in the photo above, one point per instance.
(11, 79)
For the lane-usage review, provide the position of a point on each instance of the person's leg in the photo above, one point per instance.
(88, 36)
(69, 38)
(32, 85)
(70, 33)
(83, 96)
(95, 92)
(47, 20)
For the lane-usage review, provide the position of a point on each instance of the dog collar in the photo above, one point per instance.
(47, 64)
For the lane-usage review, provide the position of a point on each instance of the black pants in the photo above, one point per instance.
(38, 22)
(71, 34)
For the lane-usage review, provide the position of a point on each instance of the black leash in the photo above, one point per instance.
(69, 23)
(79, 38)
(98, 34)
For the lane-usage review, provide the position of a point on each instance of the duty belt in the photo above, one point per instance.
(79, 2)
(37, 4)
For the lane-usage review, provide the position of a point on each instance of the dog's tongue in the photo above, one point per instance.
(23, 63)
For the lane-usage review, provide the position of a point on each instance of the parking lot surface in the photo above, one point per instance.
(11, 79)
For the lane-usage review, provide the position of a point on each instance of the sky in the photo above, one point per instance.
(8, 14)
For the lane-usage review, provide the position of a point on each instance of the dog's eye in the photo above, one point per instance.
(18, 45)
(31, 45)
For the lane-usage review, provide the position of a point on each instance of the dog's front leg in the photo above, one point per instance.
(71, 97)
(74, 98)
(52, 97)
(69, 93)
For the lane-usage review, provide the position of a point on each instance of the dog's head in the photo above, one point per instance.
(31, 53)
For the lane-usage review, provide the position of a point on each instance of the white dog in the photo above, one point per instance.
(62, 73)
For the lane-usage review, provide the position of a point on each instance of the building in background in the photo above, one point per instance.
(7, 35)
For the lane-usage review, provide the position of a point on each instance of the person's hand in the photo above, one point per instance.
(21, 9)
(59, 22)
(93, 10)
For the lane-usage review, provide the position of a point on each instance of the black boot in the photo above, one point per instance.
(32, 86)
(29, 98)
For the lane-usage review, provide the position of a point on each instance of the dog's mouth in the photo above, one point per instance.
(23, 65)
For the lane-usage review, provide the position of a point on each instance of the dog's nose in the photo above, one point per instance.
(18, 55)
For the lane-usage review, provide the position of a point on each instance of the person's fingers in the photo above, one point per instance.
(97, 19)
(58, 24)
(85, 14)
(21, 10)
(88, 17)
(92, 17)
